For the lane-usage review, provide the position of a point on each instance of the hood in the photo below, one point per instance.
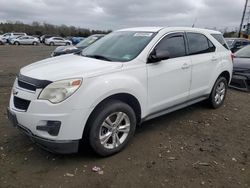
(68, 66)
(65, 48)
(242, 63)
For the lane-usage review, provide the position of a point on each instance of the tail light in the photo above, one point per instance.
(232, 57)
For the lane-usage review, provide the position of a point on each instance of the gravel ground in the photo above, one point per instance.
(192, 147)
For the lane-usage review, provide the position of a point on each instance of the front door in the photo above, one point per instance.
(169, 80)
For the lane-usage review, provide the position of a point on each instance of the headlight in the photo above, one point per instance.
(58, 91)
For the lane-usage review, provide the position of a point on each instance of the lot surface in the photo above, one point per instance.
(193, 147)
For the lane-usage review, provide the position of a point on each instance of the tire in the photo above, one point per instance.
(100, 127)
(67, 44)
(16, 43)
(35, 43)
(52, 44)
(218, 93)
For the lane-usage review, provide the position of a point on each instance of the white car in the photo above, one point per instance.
(2, 41)
(122, 80)
(9, 36)
(25, 40)
(57, 41)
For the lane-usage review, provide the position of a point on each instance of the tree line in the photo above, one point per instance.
(37, 28)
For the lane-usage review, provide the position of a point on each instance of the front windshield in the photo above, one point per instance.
(230, 42)
(86, 42)
(244, 52)
(121, 46)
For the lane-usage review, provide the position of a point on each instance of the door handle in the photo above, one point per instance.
(185, 66)
(214, 59)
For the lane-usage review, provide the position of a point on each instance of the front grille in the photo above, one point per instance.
(31, 83)
(21, 104)
(26, 85)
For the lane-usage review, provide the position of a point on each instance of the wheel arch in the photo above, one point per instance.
(225, 74)
(127, 98)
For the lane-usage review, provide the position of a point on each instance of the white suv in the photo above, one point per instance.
(125, 78)
(9, 36)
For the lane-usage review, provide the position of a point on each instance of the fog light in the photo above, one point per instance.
(52, 127)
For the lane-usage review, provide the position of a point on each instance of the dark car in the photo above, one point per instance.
(237, 43)
(241, 70)
(61, 50)
(76, 40)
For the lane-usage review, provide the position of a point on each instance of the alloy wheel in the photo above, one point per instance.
(114, 130)
(220, 93)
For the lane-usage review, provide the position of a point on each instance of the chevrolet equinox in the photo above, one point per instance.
(125, 78)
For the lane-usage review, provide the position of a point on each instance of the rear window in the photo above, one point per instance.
(221, 40)
(199, 44)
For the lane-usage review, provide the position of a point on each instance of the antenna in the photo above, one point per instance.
(195, 20)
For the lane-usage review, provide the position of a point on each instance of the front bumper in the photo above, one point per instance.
(55, 146)
(240, 82)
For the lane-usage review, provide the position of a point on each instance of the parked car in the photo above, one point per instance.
(237, 43)
(76, 40)
(241, 70)
(9, 36)
(127, 77)
(2, 41)
(61, 50)
(25, 40)
(57, 41)
(44, 37)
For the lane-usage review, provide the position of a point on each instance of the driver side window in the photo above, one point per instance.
(174, 44)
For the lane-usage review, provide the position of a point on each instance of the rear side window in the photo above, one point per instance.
(199, 44)
(220, 39)
(175, 45)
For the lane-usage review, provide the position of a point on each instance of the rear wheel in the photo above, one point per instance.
(35, 43)
(16, 43)
(112, 125)
(51, 43)
(67, 44)
(218, 93)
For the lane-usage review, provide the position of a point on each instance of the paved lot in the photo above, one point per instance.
(193, 147)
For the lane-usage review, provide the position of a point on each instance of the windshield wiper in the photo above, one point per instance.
(98, 57)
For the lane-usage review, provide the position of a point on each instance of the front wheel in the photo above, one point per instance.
(111, 127)
(218, 93)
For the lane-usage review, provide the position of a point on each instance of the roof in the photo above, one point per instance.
(157, 29)
(145, 29)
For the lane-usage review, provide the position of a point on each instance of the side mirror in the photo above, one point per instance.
(158, 55)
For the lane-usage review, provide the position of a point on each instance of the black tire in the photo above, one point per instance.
(16, 43)
(35, 43)
(52, 44)
(95, 126)
(1, 43)
(67, 44)
(212, 98)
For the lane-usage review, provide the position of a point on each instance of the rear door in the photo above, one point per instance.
(23, 40)
(60, 41)
(204, 60)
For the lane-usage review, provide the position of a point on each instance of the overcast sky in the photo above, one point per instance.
(115, 14)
